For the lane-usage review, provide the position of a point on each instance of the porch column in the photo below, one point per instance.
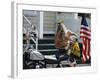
(40, 24)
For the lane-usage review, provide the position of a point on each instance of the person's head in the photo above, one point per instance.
(60, 21)
(59, 25)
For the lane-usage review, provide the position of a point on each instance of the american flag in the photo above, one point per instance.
(85, 35)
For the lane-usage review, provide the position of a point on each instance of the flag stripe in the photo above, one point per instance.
(83, 51)
(89, 48)
(85, 36)
(85, 28)
(86, 33)
(86, 53)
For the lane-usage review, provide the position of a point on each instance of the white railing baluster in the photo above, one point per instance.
(35, 41)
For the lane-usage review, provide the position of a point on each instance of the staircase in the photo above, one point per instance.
(46, 45)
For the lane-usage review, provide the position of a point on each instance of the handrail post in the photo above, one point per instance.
(35, 41)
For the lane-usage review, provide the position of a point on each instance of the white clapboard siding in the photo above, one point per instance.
(71, 21)
(49, 22)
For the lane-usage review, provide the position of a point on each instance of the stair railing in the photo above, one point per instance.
(34, 39)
